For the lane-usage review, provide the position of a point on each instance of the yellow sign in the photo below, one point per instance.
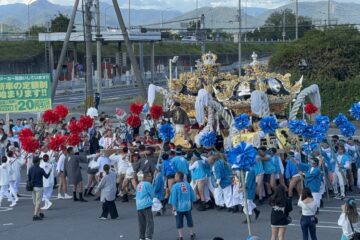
(25, 93)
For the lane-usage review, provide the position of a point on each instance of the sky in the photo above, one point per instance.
(185, 5)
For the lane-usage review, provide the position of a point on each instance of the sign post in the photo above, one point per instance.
(25, 93)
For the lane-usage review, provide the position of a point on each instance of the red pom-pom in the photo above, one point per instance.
(73, 126)
(133, 121)
(30, 144)
(73, 139)
(50, 117)
(57, 142)
(62, 111)
(86, 122)
(310, 108)
(136, 108)
(25, 133)
(156, 111)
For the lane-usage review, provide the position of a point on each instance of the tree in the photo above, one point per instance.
(274, 26)
(35, 30)
(333, 62)
(60, 23)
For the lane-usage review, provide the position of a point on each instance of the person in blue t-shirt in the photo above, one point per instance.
(180, 162)
(159, 190)
(168, 171)
(181, 198)
(144, 202)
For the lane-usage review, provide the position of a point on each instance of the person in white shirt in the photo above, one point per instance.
(5, 170)
(349, 219)
(62, 179)
(93, 169)
(308, 211)
(15, 175)
(106, 141)
(148, 123)
(123, 164)
(48, 183)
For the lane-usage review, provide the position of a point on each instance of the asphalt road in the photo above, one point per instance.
(68, 220)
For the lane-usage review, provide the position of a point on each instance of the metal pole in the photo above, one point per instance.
(283, 33)
(170, 69)
(98, 47)
(141, 58)
(129, 14)
(243, 183)
(152, 61)
(63, 50)
(203, 33)
(297, 19)
(129, 48)
(240, 63)
(328, 18)
(89, 81)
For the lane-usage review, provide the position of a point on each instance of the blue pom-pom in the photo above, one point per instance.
(297, 126)
(340, 120)
(319, 132)
(242, 157)
(309, 147)
(166, 132)
(242, 121)
(355, 111)
(347, 130)
(309, 132)
(208, 139)
(268, 125)
(323, 121)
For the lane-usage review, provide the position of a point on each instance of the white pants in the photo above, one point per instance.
(339, 181)
(4, 193)
(13, 188)
(47, 193)
(317, 198)
(223, 196)
(237, 197)
(251, 206)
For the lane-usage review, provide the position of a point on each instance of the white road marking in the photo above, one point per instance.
(5, 209)
(317, 226)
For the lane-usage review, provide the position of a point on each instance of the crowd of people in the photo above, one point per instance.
(124, 162)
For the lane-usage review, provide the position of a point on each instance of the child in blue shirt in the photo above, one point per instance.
(144, 202)
(181, 198)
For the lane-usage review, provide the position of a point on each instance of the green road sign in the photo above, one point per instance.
(25, 93)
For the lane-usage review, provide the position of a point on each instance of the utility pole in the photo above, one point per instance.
(129, 48)
(239, 36)
(284, 33)
(63, 50)
(98, 47)
(203, 33)
(89, 102)
(329, 8)
(296, 19)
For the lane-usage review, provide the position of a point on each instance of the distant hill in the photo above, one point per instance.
(342, 12)
(41, 11)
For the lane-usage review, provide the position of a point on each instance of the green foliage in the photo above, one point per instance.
(333, 58)
(274, 26)
(60, 23)
(35, 30)
(17, 51)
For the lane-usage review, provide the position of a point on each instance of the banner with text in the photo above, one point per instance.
(25, 93)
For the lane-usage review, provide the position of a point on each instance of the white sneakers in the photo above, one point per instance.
(13, 204)
(48, 204)
(66, 196)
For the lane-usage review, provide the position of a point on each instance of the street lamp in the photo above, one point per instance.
(129, 14)
(28, 8)
(105, 15)
(171, 61)
(162, 16)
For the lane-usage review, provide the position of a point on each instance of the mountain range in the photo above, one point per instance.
(41, 11)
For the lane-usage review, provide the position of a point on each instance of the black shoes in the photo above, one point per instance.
(75, 197)
(201, 207)
(192, 236)
(81, 198)
(37, 218)
(257, 213)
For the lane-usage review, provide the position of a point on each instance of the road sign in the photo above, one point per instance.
(25, 93)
